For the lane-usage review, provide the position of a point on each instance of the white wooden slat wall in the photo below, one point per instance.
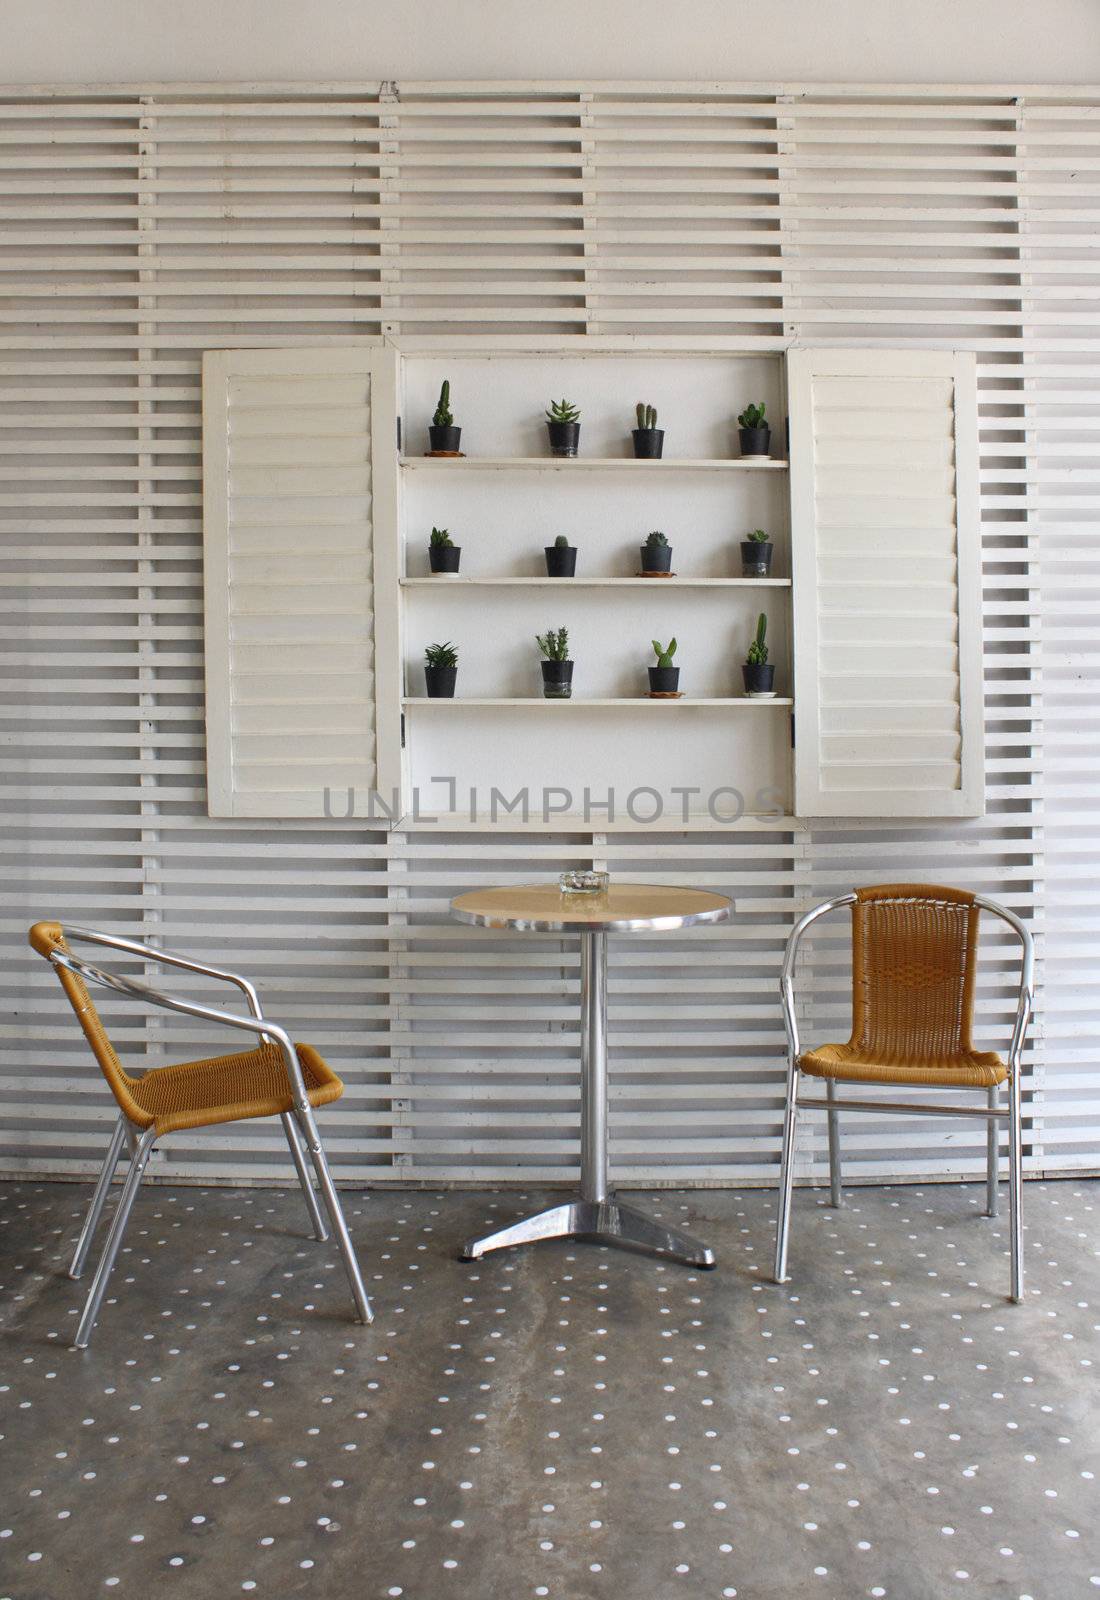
(139, 228)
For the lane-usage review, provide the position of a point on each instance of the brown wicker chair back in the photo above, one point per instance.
(914, 956)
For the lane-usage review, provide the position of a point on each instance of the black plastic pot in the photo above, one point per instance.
(758, 680)
(756, 558)
(664, 680)
(565, 438)
(444, 441)
(754, 441)
(440, 682)
(656, 558)
(557, 680)
(561, 560)
(444, 558)
(648, 443)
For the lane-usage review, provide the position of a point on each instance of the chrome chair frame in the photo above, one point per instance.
(992, 1112)
(299, 1124)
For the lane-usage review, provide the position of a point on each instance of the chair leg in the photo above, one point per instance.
(786, 1175)
(992, 1156)
(336, 1212)
(99, 1198)
(114, 1238)
(1015, 1185)
(293, 1139)
(836, 1196)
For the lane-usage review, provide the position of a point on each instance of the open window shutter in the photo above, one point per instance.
(300, 495)
(887, 592)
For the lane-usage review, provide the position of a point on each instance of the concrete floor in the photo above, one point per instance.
(564, 1421)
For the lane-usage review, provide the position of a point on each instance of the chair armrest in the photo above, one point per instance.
(145, 952)
(141, 991)
(786, 980)
(1027, 976)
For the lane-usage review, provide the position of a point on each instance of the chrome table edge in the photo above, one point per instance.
(660, 924)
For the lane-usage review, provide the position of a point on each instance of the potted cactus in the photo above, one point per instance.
(561, 558)
(563, 424)
(649, 439)
(440, 671)
(656, 556)
(756, 555)
(664, 678)
(758, 673)
(443, 554)
(443, 436)
(557, 669)
(754, 433)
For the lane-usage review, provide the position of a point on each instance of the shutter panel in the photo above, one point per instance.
(300, 520)
(887, 594)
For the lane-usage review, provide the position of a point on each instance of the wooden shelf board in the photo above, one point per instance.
(595, 703)
(594, 463)
(576, 822)
(443, 581)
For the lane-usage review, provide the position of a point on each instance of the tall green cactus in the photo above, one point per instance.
(758, 650)
(443, 417)
(647, 415)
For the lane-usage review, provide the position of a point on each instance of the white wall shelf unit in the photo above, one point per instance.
(508, 497)
(320, 604)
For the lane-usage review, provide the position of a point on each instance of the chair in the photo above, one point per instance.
(914, 955)
(276, 1078)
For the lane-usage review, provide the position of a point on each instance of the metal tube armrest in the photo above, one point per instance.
(786, 980)
(1027, 976)
(145, 952)
(141, 991)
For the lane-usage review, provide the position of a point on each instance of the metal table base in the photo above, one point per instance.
(594, 1214)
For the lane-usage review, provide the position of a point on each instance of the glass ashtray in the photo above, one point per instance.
(584, 882)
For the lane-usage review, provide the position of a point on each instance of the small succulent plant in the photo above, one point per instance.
(647, 415)
(752, 417)
(441, 540)
(562, 542)
(664, 653)
(563, 411)
(656, 541)
(443, 417)
(554, 644)
(441, 655)
(757, 536)
(758, 649)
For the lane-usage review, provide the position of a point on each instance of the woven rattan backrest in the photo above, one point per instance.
(46, 937)
(914, 953)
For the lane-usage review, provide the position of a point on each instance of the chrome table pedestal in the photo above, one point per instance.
(594, 1214)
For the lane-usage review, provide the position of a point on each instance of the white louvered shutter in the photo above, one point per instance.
(300, 519)
(887, 594)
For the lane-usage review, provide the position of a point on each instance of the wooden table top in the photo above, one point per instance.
(623, 908)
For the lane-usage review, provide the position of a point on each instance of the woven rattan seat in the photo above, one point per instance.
(253, 1083)
(914, 949)
(844, 1064)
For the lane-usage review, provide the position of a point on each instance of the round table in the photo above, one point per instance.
(623, 908)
